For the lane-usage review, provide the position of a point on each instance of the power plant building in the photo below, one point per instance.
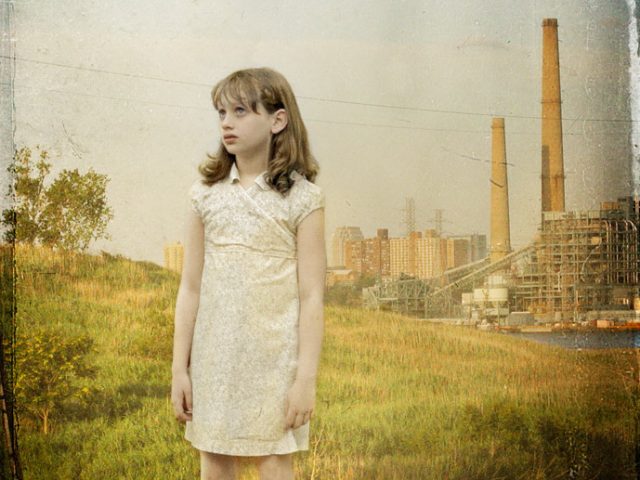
(583, 266)
(584, 261)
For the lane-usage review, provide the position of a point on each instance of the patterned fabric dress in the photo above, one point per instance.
(245, 341)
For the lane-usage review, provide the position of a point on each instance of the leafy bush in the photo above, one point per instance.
(52, 368)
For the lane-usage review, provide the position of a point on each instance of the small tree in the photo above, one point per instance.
(69, 213)
(50, 368)
(29, 176)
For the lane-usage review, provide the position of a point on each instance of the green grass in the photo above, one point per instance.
(397, 398)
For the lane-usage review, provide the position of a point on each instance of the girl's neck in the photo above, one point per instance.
(251, 166)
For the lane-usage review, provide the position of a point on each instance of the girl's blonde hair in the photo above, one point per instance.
(289, 149)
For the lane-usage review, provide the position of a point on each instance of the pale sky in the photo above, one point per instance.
(397, 96)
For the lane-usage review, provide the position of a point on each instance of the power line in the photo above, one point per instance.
(421, 109)
(122, 99)
(321, 99)
(399, 127)
(110, 72)
(317, 120)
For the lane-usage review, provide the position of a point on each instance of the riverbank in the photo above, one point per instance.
(582, 338)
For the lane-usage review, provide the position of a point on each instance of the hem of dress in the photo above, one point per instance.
(212, 448)
(240, 449)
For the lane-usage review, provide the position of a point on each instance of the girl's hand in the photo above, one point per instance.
(181, 396)
(300, 402)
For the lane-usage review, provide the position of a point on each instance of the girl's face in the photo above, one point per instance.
(244, 132)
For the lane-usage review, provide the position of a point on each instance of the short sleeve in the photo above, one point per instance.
(196, 193)
(311, 198)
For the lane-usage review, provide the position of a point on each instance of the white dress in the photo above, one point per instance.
(245, 341)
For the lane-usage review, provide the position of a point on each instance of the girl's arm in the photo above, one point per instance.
(186, 310)
(312, 266)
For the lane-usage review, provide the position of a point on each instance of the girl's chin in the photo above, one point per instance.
(230, 149)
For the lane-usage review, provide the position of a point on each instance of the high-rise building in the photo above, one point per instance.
(478, 244)
(353, 255)
(398, 256)
(369, 256)
(430, 253)
(376, 254)
(412, 263)
(338, 239)
(422, 255)
(458, 251)
(174, 256)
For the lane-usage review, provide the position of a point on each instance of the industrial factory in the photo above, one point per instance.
(581, 269)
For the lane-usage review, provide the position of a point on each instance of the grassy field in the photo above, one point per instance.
(398, 398)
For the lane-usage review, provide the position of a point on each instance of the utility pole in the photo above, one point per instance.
(438, 220)
(409, 216)
(7, 266)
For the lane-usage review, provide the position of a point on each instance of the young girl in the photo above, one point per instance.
(249, 312)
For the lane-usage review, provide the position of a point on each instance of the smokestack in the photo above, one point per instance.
(500, 236)
(552, 158)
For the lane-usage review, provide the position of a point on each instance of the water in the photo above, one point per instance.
(585, 339)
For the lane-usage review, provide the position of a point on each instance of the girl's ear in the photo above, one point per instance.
(280, 120)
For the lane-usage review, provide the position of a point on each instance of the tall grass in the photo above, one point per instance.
(397, 398)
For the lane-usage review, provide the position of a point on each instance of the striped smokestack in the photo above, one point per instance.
(552, 158)
(500, 235)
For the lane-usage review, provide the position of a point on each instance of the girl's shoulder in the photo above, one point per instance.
(305, 190)
(198, 189)
(197, 193)
(304, 197)
(301, 184)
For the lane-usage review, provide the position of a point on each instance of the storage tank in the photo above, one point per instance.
(497, 280)
(480, 295)
(498, 294)
(467, 298)
(492, 294)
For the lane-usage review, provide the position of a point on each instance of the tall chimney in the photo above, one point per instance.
(500, 236)
(552, 158)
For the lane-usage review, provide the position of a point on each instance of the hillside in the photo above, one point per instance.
(397, 398)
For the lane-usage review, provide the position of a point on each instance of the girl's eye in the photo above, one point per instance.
(221, 114)
(240, 110)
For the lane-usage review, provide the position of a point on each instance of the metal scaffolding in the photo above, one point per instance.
(445, 301)
(405, 296)
(582, 261)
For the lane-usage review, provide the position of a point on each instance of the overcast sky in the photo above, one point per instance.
(397, 96)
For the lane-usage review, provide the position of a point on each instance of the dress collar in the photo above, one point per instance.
(234, 175)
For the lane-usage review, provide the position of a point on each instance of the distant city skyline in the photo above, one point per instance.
(398, 100)
(422, 254)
